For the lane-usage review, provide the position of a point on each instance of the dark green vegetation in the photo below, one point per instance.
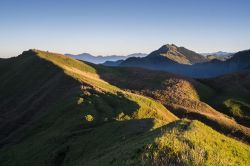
(183, 96)
(59, 111)
(232, 95)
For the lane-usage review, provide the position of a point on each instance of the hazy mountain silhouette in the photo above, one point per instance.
(70, 112)
(101, 59)
(186, 62)
(113, 63)
(220, 55)
(180, 55)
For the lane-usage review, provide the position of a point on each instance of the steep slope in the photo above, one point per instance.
(192, 56)
(73, 117)
(180, 55)
(239, 61)
(190, 146)
(232, 95)
(179, 143)
(170, 53)
(182, 96)
(46, 98)
(29, 87)
(185, 62)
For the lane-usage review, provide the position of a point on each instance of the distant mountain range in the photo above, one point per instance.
(101, 59)
(169, 52)
(186, 62)
(220, 55)
(68, 112)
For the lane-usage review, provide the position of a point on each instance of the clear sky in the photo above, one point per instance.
(123, 26)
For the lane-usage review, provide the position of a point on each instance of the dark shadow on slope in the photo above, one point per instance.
(29, 87)
(112, 143)
(100, 107)
(32, 86)
(104, 119)
(55, 136)
(213, 68)
(217, 125)
(126, 143)
(42, 107)
(152, 84)
(232, 95)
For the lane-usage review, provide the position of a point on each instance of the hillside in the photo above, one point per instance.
(183, 96)
(180, 55)
(232, 95)
(168, 53)
(185, 62)
(59, 111)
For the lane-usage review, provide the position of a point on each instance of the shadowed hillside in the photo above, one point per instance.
(59, 111)
(55, 96)
(180, 55)
(182, 61)
(232, 95)
(30, 87)
(182, 96)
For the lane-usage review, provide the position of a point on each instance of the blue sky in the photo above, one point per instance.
(123, 26)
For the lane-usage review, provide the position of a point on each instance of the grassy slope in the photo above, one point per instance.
(50, 104)
(193, 143)
(232, 95)
(87, 75)
(30, 87)
(182, 96)
(91, 122)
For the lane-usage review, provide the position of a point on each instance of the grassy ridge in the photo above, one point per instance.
(71, 116)
(58, 98)
(193, 143)
(29, 88)
(88, 75)
(185, 97)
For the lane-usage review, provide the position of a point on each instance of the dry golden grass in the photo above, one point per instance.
(182, 96)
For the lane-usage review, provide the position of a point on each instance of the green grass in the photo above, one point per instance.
(184, 97)
(61, 60)
(65, 114)
(231, 104)
(54, 103)
(235, 107)
(128, 142)
(231, 95)
(193, 143)
(238, 108)
(147, 108)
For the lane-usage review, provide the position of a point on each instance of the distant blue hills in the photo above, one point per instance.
(182, 61)
(178, 60)
(101, 59)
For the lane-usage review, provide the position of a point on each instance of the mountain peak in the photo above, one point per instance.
(167, 47)
(178, 54)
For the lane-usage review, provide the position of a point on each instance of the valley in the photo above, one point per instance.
(56, 110)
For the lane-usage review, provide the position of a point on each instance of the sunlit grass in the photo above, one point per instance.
(102, 124)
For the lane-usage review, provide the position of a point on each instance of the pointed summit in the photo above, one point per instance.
(178, 54)
(167, 47)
